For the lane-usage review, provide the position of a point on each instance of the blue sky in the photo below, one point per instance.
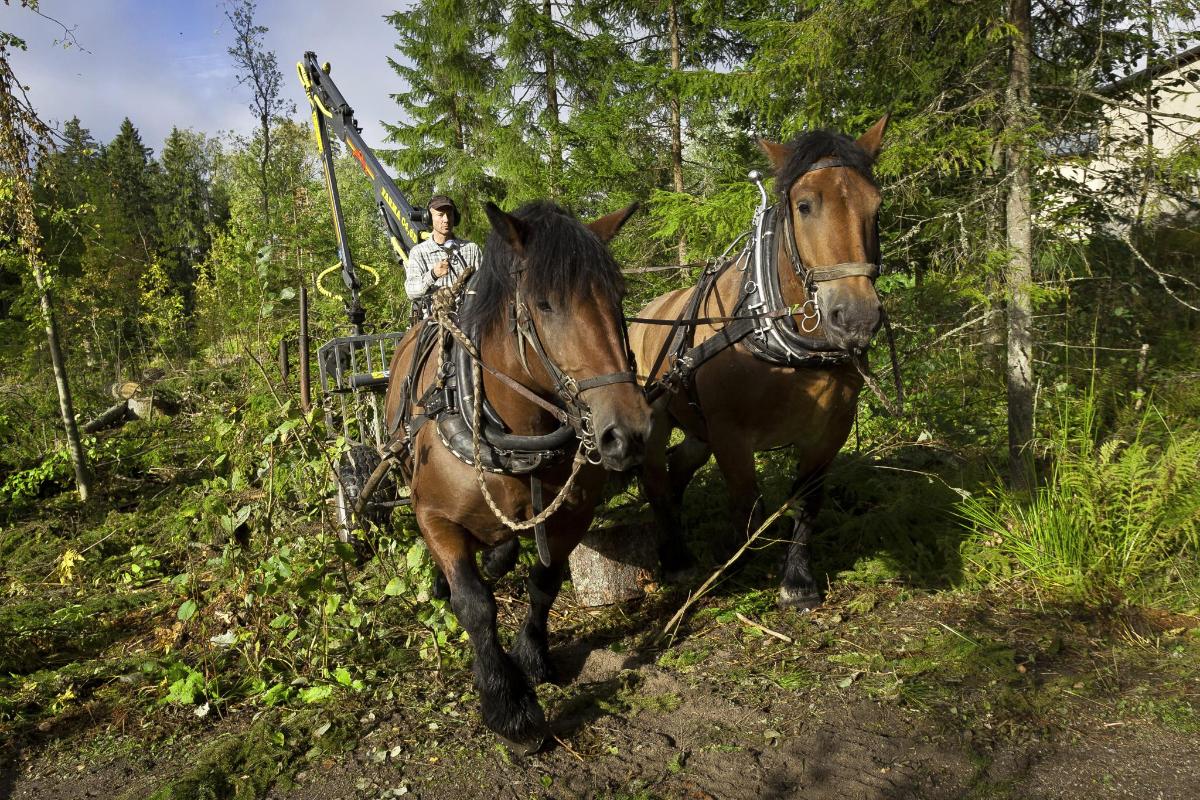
(162, 63)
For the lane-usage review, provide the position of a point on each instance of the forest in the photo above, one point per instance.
(1008, 558)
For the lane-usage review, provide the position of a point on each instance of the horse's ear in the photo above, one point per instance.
(607, 226)
(778, 154)
(511, 229)
(872, 140)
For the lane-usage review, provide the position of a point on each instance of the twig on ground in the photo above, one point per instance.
(704, 587)
(567, 747)
(783, 637)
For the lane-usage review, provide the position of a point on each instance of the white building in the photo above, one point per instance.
(1143, 159)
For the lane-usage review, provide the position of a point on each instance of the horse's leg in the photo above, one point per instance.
(799, 589)
(736, 462)
(673, 552)
(441, 587)
(509, 705)
(531, 648)
(497, 562)
(500, 560)
(683, 460)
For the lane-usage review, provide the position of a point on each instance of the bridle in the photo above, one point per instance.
(812, 277)
(574, 410)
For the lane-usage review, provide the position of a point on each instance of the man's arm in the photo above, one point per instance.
(418, 272)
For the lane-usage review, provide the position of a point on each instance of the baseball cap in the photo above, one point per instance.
(441, 201)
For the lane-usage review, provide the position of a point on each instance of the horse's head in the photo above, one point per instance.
(555, 283)
(830, 234)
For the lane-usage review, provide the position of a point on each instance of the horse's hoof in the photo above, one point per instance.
(526, 748)
(798, 599)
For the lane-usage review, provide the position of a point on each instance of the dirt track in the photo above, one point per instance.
(930, 696)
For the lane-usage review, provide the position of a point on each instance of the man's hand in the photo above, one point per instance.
(441, 269)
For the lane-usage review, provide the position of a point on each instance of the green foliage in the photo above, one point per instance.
(1115, 516)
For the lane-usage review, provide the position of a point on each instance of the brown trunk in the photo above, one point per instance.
(676, 118)
(302, 355)
(1019, 273)
(1148, 110)
(83, 476)
(552, 105)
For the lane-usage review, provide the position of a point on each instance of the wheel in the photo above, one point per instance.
(354, 468)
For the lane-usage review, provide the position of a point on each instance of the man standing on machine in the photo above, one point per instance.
(438, 260)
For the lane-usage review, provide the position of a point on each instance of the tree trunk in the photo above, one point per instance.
(262, 169)
(19, 129)
(1019, 273)
(552, 105)
(612, 565)
(676, 118)
(83, 476)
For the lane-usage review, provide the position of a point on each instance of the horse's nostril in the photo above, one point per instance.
(612, 441)
(618, 442)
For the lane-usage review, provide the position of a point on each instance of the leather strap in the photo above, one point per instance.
(848, 269)
(539, 530)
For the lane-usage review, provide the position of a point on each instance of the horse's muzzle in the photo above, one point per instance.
(621, 448)
(852, 328)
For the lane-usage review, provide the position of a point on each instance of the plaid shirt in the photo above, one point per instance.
(419, 280)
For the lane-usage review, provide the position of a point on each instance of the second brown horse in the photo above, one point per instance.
(826, 254)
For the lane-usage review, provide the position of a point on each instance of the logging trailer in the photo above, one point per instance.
(353, 369)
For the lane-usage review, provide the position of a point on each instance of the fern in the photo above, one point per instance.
(1108, 519)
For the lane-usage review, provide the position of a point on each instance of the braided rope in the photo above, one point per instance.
(441, 310)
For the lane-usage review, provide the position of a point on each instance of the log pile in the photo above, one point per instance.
(135, 400)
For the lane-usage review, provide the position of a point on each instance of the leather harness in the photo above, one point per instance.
(760, 318)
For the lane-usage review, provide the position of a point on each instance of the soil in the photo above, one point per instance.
(881, 693)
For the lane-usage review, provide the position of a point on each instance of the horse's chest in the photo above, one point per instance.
(772, 406)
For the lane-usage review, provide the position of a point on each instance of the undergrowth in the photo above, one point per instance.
(1117, 517)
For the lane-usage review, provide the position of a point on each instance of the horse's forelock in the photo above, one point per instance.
(809, 148)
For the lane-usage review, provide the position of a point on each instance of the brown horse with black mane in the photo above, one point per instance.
(762, 353)
(543, 317)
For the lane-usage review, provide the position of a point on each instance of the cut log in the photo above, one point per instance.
(136, 406)
(614, 564)
(117, 414)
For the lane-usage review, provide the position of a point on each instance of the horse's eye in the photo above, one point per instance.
(544, 306)
(804, 207)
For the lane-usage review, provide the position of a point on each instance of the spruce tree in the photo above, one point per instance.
(184, 207)
(447, 103)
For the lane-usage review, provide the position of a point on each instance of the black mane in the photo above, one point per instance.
(563, 259)
(809, 148)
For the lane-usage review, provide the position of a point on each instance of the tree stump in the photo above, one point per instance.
(614, 564)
